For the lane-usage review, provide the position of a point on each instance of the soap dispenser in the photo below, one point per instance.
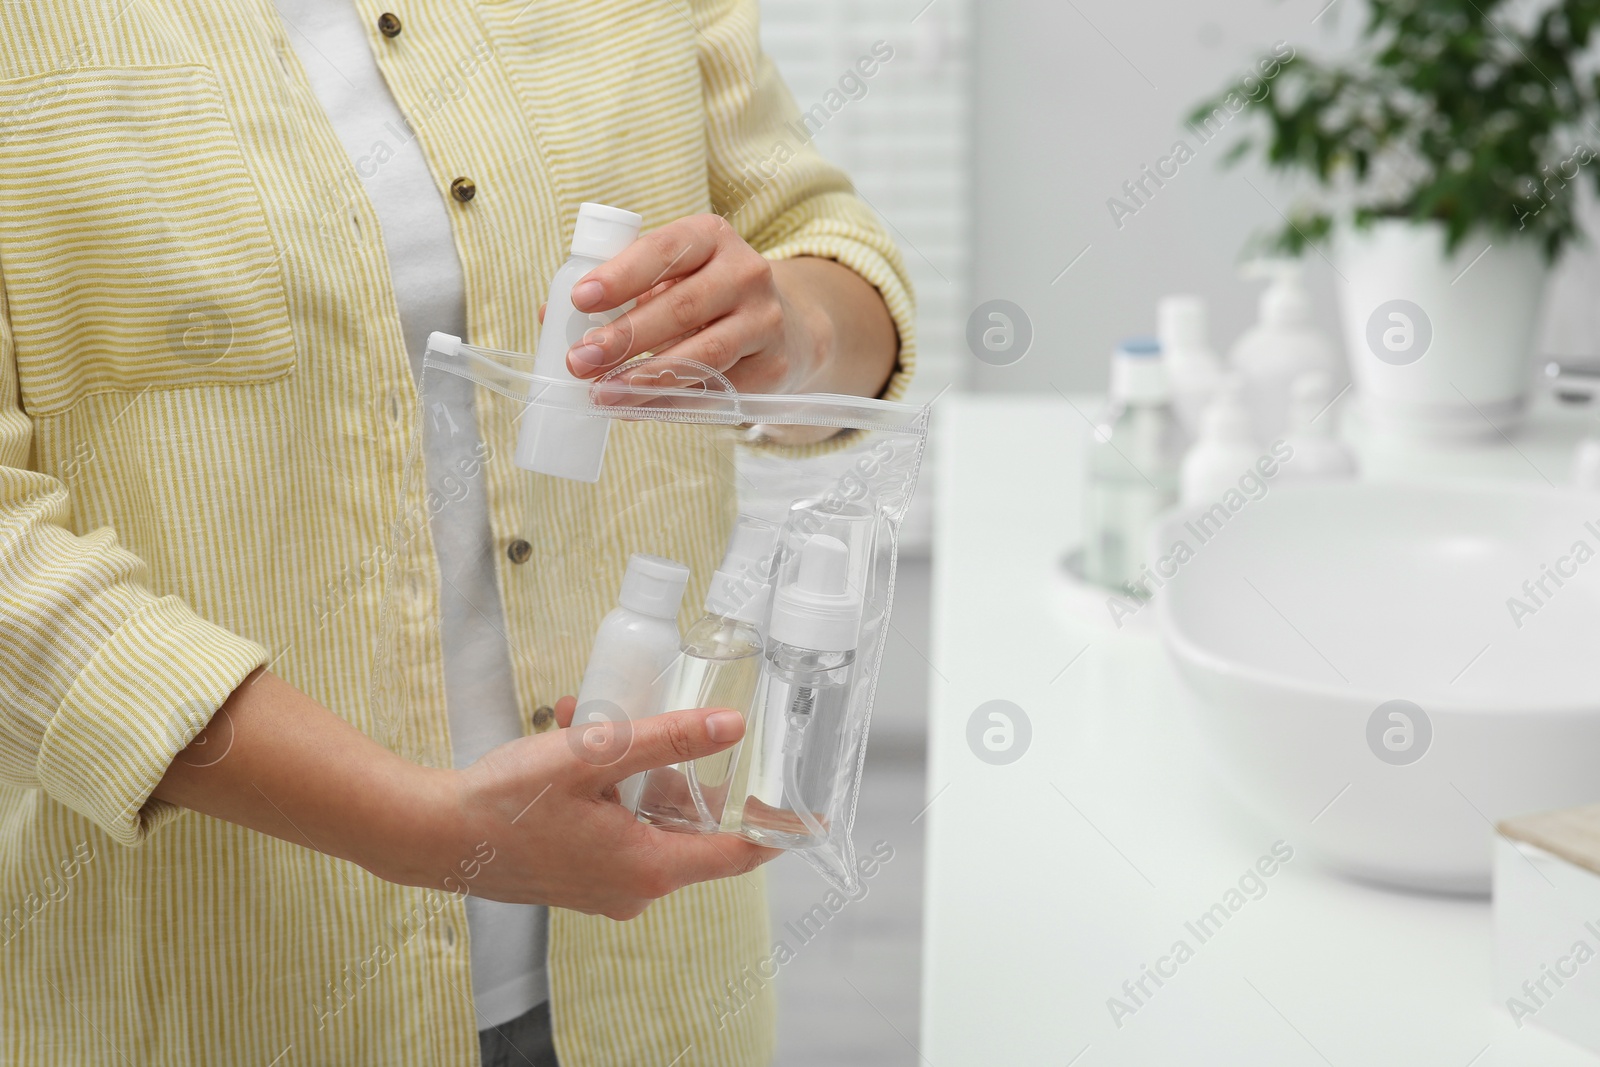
(1280, 347)
(1315, 449)
(1225, 451)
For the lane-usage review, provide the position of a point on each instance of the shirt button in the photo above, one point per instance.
(543, 718)
(389, 24)
(463, 189)
(519, 551)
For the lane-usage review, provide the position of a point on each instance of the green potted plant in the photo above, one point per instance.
(1445, 152)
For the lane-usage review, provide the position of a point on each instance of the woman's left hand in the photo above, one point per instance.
(705, 295)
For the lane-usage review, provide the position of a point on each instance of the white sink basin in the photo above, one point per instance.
(1310, 608)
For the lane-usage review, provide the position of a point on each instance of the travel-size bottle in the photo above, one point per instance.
(718, 666)
(571, 443)
(633, 651)
(791, 775)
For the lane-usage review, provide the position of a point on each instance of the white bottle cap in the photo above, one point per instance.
(742, 587)
(653, 586)
(602, 232)
(1181, 321)
(1137, 373)
(819, 610)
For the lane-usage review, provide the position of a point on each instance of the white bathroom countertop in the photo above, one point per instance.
(1054, 879)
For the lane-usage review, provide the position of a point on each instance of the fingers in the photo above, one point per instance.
(685, 859)
(751, 363)
(672, 737)
(676, 249)
(564, 709)
(706, 297)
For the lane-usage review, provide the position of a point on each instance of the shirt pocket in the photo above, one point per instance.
(614, 92)
(133, 246)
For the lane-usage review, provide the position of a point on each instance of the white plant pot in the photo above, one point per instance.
(1440, 346)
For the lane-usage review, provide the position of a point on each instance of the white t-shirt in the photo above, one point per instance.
(508, 940)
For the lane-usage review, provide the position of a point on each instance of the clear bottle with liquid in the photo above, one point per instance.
(1133, 465)
(790, 776)
(718, 666)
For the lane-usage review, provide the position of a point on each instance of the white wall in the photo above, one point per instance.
(1072, 97)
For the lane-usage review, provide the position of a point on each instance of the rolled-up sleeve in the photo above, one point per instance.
(772, 184)
(102, 681)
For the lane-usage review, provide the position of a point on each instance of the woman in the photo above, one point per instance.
(220, 246)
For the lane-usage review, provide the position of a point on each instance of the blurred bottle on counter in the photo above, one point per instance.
(1586, 465)
(1280, 347)
(1317, 453)
(1193, 368)
(1225, 449)
(1133, 465)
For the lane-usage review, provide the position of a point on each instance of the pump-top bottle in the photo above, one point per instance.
(633, 651)
(789, 779)
(1283, 345)
(718, 666)
(551, 440)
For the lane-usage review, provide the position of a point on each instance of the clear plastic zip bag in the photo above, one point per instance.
(735, 551)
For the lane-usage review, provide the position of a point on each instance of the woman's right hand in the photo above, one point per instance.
(537, 821)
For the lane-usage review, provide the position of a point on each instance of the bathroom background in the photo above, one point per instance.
(991, 144)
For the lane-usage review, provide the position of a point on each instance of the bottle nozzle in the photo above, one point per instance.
(819, 610)
(741, 587)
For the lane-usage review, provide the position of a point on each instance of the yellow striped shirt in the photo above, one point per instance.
(205, 412)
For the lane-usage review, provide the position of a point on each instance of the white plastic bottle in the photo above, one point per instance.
(1586, 464)
(1316, 451)
(1280, 347)
(572, 444)
(718, 666)
(1133, 466)
(633, 651)
(790, 775)
(1225, 450)
(1193, 368)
